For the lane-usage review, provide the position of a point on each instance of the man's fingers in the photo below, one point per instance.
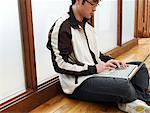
(110, 68)
(112, 65)
(124, 65)
(117, 63)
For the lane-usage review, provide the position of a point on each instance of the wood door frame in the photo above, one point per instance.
(33, 92)
(143, 18)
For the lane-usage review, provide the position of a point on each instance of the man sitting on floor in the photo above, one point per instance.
(76, 57)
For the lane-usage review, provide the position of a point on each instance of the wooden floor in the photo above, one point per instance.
(62, 104)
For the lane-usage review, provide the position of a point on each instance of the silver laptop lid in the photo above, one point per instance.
(142, 63)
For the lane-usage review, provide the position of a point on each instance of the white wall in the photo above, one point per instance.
(128, 15)
(12, 81)
(45, 13)
(106, 24)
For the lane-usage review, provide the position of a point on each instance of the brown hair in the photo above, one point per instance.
(95, 1)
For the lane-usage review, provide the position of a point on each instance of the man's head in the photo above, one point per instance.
(83, 1)
(85, 8)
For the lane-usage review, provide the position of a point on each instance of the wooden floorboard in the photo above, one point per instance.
(62, 104)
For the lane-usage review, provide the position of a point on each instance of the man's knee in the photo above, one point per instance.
(143, 72)
(128, 92)
(131, 94)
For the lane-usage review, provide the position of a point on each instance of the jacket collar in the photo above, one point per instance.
(73, 21)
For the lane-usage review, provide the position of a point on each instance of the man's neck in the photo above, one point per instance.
(77, 14)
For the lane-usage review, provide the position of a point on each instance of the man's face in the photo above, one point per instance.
(88, 8)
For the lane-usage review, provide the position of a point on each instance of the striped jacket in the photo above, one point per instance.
(74, 51)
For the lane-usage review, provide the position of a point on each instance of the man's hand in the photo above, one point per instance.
(102, 66)
(117, 63)
(109, 65)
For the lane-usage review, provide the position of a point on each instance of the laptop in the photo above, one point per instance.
(127, 73)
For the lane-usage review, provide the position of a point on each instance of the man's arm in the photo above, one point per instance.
(61, 47)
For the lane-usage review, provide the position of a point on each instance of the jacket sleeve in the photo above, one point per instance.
(61, 47)
(105, 58)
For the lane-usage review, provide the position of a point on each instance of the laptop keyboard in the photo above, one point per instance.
(119, 72)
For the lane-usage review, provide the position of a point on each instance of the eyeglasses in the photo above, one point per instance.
(92, 4)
